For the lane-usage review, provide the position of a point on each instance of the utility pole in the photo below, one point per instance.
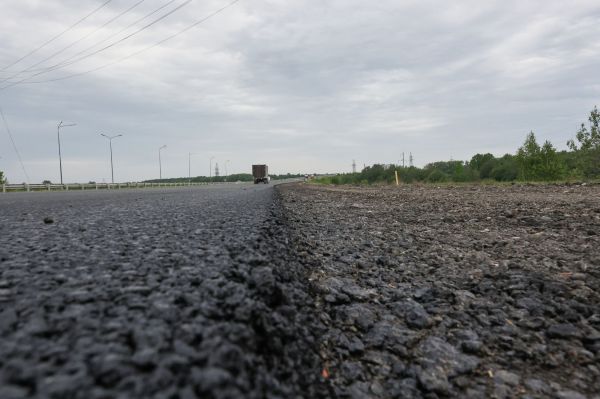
(210, 168)
(353, 166)
(160, 162)
(403, 159)
(226, 173)
(59, 153)
(110, 139)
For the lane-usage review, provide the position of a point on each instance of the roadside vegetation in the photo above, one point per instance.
(533, 162)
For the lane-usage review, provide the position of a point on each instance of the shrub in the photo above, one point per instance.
(437, 176)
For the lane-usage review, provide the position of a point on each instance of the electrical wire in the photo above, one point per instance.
(58, 66)
(57, 36)
(63, 62)
(189, 27)
(30, 68)
(12, 140)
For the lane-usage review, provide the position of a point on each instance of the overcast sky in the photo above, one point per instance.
(304, 86)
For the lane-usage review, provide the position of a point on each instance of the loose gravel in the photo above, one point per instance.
(168, 294)
(463, 291)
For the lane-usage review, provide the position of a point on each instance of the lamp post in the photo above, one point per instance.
(61, 124)
(210, 168)
(160, 162)
(110, 139)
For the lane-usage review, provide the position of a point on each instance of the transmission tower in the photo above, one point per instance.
(353, 166)
(217, 169)
(410, 160)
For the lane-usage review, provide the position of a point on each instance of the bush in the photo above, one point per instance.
(485, 172)
(437, 176)
(504, 172)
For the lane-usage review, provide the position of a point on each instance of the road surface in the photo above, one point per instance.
(175, 293)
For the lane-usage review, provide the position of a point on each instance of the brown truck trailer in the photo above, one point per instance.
(260, 174)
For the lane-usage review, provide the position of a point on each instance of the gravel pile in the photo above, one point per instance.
(174, 294)
(467, 291)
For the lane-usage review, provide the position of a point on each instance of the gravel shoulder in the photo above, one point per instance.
(468, 291)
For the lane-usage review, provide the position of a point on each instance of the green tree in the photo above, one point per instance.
(587, 146)
(2, 178)
(588, 139)
(505, 168)
(479, 160)
(551, 165)
(485, 172)
(538, 163)
(528, 158)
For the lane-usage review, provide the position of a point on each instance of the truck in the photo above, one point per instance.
(260, 174)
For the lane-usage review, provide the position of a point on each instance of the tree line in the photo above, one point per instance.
(241, 177)
(532, 162)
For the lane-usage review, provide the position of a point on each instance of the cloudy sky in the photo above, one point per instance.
(302, 85)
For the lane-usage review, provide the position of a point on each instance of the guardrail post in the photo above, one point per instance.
(28, 189)
(66, 187)
(83, 187)
(96, 186)
(3, 188)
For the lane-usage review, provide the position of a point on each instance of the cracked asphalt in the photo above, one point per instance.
(176, 293)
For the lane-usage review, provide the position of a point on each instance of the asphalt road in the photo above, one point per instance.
(176, 293)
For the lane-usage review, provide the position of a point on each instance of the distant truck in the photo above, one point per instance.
(260, 174)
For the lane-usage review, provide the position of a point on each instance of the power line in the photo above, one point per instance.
(57, 36)
(189, 27)
(13, 144)
(59, 66)
(30, 68)
(63, 62)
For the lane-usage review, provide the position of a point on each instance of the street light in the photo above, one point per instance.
(59, 153)
(210, 168)
(110, 139)
(160, 162)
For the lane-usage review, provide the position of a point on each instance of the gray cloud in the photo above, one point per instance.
(302, 85)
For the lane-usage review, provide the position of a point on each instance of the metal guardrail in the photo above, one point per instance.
(92, 186)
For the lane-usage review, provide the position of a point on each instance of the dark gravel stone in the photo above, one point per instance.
(506, 377)
(537, 386)
(568, 394)
(564, 331)
(13, 392)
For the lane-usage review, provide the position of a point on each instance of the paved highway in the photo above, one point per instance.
(176, 293)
